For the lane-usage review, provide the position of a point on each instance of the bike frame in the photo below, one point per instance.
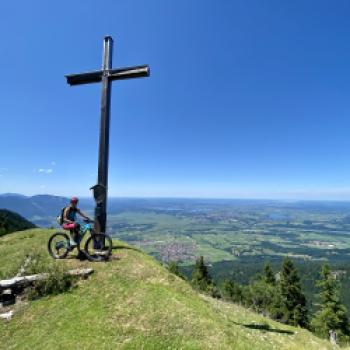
(87, 227)
(84, 228)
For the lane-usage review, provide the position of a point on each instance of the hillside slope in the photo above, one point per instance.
(132, 302)
(11, 222)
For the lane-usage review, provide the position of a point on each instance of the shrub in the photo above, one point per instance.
(173, 267)
(58, 280)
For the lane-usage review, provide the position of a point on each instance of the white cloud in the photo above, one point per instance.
(45, 171)
(53, 163)
(43, 186)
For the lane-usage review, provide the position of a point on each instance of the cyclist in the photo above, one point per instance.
(69, 217)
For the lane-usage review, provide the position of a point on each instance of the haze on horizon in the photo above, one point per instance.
(246, 99)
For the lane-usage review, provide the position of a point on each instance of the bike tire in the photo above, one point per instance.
(50, 245)
(99, 254)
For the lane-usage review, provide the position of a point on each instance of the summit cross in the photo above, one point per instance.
(106, 75)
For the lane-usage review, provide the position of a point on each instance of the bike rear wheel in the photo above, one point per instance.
(58, 245)
(98, 247)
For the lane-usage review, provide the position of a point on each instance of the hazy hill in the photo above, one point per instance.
(40, 205)
(11, 222)
(132, 302)
(40, 209)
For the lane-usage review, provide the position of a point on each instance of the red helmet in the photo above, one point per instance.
(74, 200)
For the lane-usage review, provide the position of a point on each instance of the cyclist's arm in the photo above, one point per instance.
(65, 219)
(82, 214)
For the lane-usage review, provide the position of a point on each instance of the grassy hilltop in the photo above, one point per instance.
(132, 302)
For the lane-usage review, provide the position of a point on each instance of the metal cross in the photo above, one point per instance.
(106, 75)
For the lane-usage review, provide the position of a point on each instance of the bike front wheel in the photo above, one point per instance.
(58, 245)
(98, 247)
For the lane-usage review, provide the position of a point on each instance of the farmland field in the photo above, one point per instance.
(235, 230)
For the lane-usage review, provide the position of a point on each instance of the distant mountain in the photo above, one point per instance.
(41, 205)
(12, 195)
(11, 222)
(40, 209)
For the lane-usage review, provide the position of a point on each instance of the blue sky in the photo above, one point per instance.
(246, 98)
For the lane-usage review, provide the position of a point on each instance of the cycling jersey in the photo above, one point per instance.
(72, 213)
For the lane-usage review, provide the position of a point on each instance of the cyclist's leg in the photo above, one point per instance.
(76, 232)
(74, 235)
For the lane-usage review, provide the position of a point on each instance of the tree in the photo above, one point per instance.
(332, 314)
(264, 294)
(233, 291)
(269, 276)
(200, 277)
(293, 301)
(173, 267)
(261, 296)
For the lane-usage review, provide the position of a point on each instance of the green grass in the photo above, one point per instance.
(132, 302)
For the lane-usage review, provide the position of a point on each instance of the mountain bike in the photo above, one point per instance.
(97, 246)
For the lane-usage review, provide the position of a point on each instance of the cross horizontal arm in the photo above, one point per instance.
(84, 78)
(113, 74)
(129, 72)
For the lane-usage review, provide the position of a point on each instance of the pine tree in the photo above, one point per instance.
(173, 267)
(269, 276)
(200, 277)
(233, 291)
(332, 314)
(293, 301)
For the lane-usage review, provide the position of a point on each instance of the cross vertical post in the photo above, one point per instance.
(103, 153)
